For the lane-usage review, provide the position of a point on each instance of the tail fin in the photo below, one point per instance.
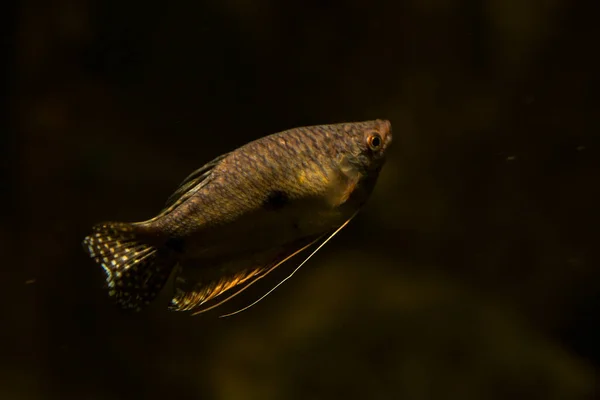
(135, 271)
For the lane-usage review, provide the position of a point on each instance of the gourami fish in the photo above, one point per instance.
(243, 214)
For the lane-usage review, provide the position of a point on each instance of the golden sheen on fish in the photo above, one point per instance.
(240, 216)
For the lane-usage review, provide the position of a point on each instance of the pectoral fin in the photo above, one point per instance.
(344, 183)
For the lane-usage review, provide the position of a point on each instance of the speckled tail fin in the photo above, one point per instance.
(135, 271)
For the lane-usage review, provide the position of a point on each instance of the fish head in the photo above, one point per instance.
(367, 143)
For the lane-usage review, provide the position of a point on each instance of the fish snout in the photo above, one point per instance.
(386, 131)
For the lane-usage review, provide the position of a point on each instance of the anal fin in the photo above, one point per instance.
(192, 295)
(201, 293)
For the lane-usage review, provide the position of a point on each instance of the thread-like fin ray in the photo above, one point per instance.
(294, 271)
(253, 281)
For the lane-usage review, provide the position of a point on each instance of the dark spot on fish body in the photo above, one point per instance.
(176, 244)
(276, 200)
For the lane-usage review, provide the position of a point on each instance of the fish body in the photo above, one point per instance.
(238, 217)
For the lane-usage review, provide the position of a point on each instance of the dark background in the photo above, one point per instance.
(471, 274)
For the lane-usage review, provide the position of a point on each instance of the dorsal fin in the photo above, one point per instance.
(192, 183)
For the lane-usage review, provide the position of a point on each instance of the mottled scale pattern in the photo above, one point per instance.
(134, 271)
(240, 182)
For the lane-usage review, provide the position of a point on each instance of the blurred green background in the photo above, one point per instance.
(472, 273)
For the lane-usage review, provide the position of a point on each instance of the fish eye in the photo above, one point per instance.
(374, 141)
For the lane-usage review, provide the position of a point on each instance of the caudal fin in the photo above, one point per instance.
(135, 271)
